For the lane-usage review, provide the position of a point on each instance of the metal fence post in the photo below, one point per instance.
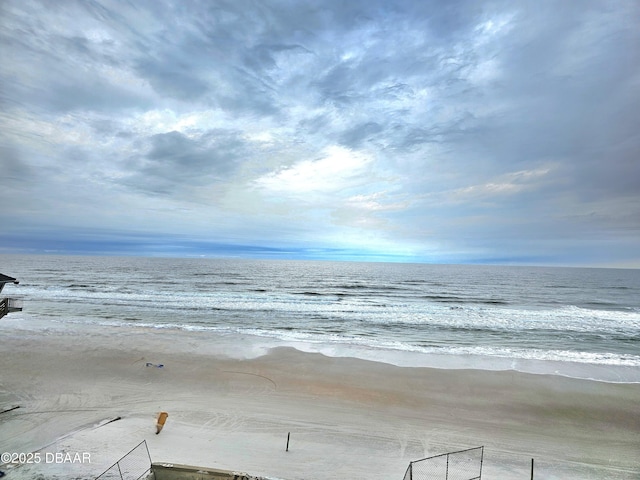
(147, 448)
(447, 472)
(532, 469)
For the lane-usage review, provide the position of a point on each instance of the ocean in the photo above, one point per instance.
(577, 322)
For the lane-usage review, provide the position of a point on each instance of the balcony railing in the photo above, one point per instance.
(9, 305)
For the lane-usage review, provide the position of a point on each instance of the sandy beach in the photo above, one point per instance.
(231, 408)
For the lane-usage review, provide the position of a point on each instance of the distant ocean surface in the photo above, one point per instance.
(570, 321)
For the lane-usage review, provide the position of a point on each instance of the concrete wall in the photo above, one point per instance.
(170, 471)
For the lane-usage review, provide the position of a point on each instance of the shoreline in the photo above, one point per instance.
(347, 417)
(259, 345)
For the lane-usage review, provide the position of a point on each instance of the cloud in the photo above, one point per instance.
(175, 161)
(338, 169)
(506, 185)
(436, 130)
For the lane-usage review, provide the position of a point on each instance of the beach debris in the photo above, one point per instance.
(254, 374)
(10, 409)
(157, 365)
(107, 421)
(288, 436)
(162, 417)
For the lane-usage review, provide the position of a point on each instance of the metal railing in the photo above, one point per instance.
(8, 305)
(132, 466)
(461, 465)
(14, 304)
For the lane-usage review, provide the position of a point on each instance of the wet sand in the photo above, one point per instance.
(347, 418)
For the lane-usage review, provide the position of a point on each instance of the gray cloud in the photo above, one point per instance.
(456, 129)
(174, 162)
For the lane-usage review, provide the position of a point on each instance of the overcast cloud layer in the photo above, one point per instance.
(438, 131)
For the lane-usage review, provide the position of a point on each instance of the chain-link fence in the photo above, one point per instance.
(461, 465)
(132, 466)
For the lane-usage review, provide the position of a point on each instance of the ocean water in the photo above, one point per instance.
(569, 321)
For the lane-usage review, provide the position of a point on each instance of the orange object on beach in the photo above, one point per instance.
(162, 417)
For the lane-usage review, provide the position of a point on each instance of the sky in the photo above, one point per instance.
(417, 131)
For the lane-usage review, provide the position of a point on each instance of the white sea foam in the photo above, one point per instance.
(407, 314)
